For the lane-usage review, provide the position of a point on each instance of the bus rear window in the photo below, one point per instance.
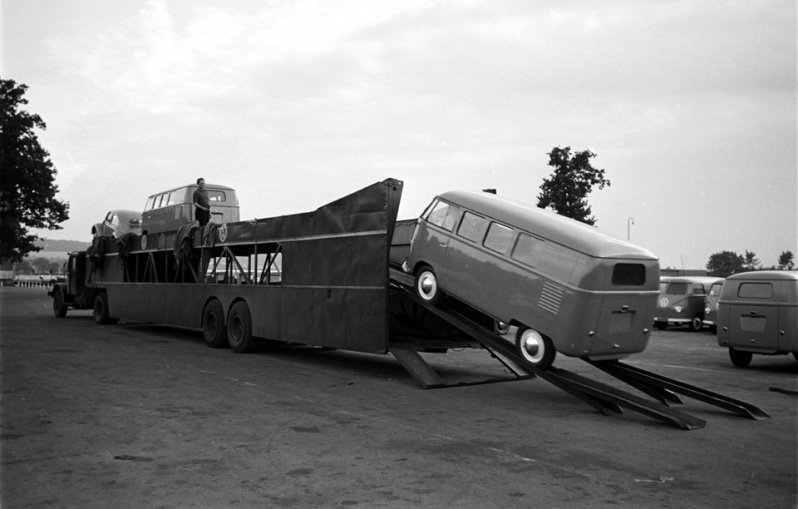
(755, 290)
(629, 274)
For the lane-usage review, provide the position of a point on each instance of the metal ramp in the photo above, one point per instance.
(605, 398)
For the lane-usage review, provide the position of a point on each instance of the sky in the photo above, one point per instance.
(689, 106)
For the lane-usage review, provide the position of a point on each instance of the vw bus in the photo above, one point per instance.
(758, 314)
(169, 210)
(682, 301)
(711, 308)
(565, 286)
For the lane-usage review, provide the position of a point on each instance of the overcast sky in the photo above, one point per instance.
(689, 105)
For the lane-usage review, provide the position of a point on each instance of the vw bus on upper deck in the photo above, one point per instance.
(567, 287)
(169, 210)
(758, 314)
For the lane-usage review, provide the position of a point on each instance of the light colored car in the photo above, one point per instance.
(117, 223)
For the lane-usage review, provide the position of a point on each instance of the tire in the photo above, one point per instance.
(213, 329)
(696, 323)
(740, 359)
(426, 286)
(101, 315)
(59, 308)
(536, 349)
(661, 325)
(239, 328)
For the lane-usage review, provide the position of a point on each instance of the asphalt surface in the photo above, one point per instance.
(136, 415)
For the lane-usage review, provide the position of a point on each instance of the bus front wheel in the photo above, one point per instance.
(536, 349)
(427, 286)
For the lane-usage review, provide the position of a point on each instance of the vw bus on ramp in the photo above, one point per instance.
(566, 287)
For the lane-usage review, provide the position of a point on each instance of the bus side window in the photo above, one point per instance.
(527, 249)
(499, 238)
(444, 215)
(471, 226)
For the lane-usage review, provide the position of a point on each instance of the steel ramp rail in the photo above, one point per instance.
(640, 378)
(606, 399)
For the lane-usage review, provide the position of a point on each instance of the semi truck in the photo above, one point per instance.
(333, 278)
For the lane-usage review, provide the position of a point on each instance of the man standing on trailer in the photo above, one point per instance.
(202, 205)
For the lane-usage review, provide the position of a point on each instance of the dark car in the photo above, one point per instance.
(117, 223)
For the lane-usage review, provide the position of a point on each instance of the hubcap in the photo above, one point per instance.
(532, 346)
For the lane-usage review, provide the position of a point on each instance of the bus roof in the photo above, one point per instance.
(767, 275)
(194, 184)
(547, 225)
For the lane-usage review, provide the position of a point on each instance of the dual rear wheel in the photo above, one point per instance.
(237, 332)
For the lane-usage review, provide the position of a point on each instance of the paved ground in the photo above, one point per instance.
(144, 416)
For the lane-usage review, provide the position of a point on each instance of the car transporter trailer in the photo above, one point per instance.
(328, 278)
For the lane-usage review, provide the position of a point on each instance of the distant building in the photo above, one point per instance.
(682, 272)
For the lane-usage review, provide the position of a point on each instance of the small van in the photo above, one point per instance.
(169, 210)
(758, 314)
(682, 301)
(711, 308)
(565, 286)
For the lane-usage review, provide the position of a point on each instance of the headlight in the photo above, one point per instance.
(678, 309)
(707, 310)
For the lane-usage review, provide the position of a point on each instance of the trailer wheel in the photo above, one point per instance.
(427, 286)
(696, 323)
(239, 328)
(59, 308)
(101, 315)
(535, 348)
(740, 359)
(213, 329)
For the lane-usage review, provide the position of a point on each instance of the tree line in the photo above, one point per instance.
(726, 263)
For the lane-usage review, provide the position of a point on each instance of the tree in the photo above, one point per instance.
(751, 262)
(725, 264)
(786, 260)
(573, 179)
(27, 189)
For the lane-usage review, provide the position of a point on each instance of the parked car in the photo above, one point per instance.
(565, 286)
(171, 209)
(117, 223)
(711, 309)
(682, 301)
(758, 314)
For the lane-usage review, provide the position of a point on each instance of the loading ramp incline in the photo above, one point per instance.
(605, 398)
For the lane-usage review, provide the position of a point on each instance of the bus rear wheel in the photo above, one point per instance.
(536, 349)
(213, 329)
(740, 359)
(239, 328)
